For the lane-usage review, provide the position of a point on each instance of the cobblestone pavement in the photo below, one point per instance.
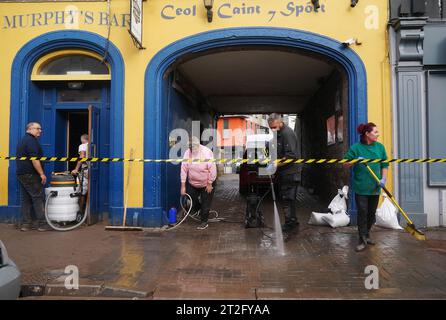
(227, 261)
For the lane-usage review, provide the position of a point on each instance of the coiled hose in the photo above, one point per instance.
(195, 216)
(184, 215)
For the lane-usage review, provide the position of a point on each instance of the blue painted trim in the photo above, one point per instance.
(153, 98)
(20, 83)
(10, 214)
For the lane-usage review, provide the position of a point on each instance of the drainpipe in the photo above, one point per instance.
(440, 201)
(394, 93)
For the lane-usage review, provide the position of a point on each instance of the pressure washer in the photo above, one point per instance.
(255, 150)
(253, 215)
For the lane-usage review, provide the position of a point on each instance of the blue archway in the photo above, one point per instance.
(20, 101)
(154, 99)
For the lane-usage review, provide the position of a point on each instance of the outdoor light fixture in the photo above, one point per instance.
(208, 4)
(354, 3)
(316, 4)
(351, 41)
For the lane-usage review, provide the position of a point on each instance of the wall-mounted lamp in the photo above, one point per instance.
(208, 4)
(351, 41)
(316, 4)
(353, 3)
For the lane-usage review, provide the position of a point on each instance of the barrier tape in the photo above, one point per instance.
(230, 161)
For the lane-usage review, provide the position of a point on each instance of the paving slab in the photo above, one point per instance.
(227, 261)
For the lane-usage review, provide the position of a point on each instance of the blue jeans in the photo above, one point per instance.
(32, 196)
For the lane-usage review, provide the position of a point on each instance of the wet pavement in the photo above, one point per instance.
(227, 261)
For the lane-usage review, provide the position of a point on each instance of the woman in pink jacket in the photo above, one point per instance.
(198, 179)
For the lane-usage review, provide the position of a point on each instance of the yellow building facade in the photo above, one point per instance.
(129, 96)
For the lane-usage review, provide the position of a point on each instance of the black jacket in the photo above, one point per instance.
(29, 146)
(288, 147)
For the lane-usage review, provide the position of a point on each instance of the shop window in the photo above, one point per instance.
(436, 113)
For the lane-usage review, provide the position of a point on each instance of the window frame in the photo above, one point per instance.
(43, 61)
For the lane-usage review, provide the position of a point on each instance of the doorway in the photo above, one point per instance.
(30, 102)
(77, 125)
(69, 111)
(157, 98)
(69, 126)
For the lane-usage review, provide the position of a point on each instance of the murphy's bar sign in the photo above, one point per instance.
(73, 17)
(70, 18)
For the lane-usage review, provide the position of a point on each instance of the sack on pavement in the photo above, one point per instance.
(338, 206)
(316, 219)
(387, 215)
(337, 220)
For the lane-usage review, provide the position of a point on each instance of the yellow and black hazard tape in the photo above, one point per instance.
(231, 161)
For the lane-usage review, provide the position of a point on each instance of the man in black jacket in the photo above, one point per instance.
(289, 174)
(31, 178)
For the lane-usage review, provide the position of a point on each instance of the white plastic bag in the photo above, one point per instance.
(338, 204)
(387, 215)
(316, 219)
(340, 219)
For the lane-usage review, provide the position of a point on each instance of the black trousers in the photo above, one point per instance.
(206, 200)
(366, 213)
(32, 196)
(288, 194)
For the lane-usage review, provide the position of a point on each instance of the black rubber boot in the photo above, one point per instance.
(290, 225)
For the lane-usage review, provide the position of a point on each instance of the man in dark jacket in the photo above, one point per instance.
(289, 174)
(31, 178)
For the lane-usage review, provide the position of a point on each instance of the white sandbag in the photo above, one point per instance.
(338, 204)
(387, 215)
(316, 219)
(337, 220)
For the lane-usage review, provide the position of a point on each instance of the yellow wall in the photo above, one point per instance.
(339, 21)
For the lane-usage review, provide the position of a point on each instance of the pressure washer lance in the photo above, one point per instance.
(273, 195)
